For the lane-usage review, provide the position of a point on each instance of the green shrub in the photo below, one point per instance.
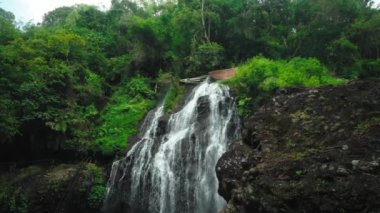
(18, 202)
(96, 196)
(256, 80)
(120, 118)
(97, 192)
(3, 196)
(371, 68)
(173, 96)
(164, 77)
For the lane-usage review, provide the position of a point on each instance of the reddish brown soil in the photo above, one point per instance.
(222, 74)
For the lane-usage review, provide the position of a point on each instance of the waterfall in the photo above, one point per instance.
(172, 168)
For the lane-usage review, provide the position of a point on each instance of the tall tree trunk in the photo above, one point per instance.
(204, 21)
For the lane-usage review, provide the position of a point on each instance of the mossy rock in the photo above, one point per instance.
(62, 187)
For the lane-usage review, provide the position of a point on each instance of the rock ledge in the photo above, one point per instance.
(308, 150)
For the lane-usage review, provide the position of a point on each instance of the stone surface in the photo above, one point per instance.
(49, 188)
(308, 150)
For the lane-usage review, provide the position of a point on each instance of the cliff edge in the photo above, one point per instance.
(308, 150)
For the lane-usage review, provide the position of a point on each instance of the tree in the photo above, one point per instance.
(8, 16)
(57, 16)
(207, 57)
(66, 46)
(8, 31)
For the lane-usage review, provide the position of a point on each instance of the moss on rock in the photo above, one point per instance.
(63, 187)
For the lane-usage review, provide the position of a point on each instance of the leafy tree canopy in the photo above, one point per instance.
(85, 76)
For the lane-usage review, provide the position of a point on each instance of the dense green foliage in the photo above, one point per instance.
(79, 78)
(97, 192)
(120, 119)
(174, 94)
(256, 80)
(13, 197)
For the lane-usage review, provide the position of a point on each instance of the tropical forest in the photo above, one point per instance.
(192, 106)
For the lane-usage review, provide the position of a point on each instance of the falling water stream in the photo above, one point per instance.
(172, 168)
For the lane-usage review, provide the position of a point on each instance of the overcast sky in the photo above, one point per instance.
(26, 10)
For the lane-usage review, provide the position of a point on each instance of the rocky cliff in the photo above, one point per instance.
(53, 187)
(308, 150)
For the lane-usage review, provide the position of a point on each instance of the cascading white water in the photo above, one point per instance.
(175, 171)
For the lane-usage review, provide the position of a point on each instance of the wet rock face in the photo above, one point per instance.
(203, 107)
(308, 150)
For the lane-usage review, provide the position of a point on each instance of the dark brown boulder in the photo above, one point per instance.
(308, 150)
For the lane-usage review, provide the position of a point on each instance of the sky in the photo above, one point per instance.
(33, 10)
